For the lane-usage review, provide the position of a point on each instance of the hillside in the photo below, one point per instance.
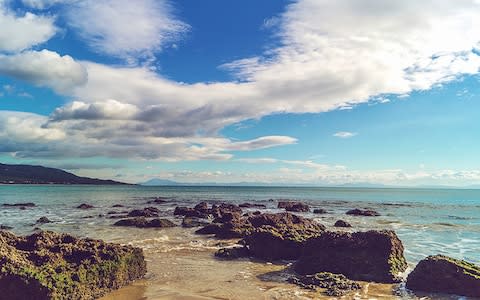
(26, 174)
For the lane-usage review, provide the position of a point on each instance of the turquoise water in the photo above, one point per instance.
(428, 221)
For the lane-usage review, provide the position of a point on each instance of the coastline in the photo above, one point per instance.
(177, 258)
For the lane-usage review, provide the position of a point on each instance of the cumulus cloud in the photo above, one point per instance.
(123, 28)
(344, 134)
(44, 68)
(22, 32)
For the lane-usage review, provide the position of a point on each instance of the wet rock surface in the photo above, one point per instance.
(293, 206)
(363, 212)
(232, 253)
(369, 256)
(442, 274)
(47, 265)
(252, 205)
(146, 212)
(190, 222)
(43, 220)
(85, 206)
(334, 284)
(142, 222)
(342, 223)
(319, 211)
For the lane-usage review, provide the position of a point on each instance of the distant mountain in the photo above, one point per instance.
(26, 174)
(158, 181)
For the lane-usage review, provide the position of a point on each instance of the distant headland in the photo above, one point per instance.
(28, 174)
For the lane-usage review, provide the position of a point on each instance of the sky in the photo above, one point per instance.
(310, 92)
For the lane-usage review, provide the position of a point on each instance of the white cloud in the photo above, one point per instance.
(22, 32)
(44, 68)
(344, 134)
(123, 28)
(43, 4)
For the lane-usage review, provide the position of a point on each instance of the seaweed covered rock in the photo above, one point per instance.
(294, 206)
(142, 222)
(442, 274)
(47, 265)
(363, 212)
(280, 236)
(334, 284)
(369, 256)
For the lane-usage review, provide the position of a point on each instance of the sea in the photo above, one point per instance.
(182, 266)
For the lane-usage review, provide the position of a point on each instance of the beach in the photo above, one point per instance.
(181, 264)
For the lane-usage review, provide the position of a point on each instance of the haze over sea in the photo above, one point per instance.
(428, 221)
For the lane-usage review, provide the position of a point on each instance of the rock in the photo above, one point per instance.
(442, 274)
(189, 212)
(158, 200)
(5, 227)
(335, 284)
(252, 205)
(85, 206)
(210, 229)
(118, 205)
(341, 223)
(232, 253)
(189, 222)
(202, 207)
(294, 206)
(319, 211)
(280, 236)
(141, 222)
(146, 212)
(43, 220)
(201, 210)
(47, 265)
(368, 256)
(362, 212)
(27, 204)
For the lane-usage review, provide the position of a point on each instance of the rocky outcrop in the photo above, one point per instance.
(142, 222)
(319, 211)
(202, 211)
(334, 284)
(363, 212)
(47, 265)
(146, 212)
(85, 206)
(369, 256)
(232, 253)
(294, 206)
(342, 223)
(280, 236)
(43, 220)
(190, 222)
(27, 204)
(252, 205)
(442, 274)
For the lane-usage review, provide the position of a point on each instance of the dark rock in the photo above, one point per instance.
(294, 206)
(118, 205)
(252, 205)
(363, 212)
(319, 211)
(158, 200)
(142, 222)
(369, 256)
(43, 220)
(189, 222)
(210, 229)
(47, 265)
(85, 206)
(280, 236)
(28, 204)
(442, 274)
(5, 227)
(189, 212)
(335, 284)
(232, 253)
(146, 212)
(341, 223)
(202, 207)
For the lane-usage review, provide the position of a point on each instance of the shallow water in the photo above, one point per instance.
(181, 265)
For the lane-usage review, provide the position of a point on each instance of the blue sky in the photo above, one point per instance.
(308, 91)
